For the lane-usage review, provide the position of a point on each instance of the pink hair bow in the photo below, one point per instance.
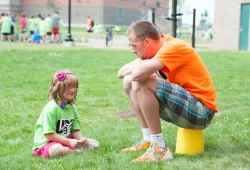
(62, 75)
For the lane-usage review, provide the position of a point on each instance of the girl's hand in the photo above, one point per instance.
(74, 143)
(83, 142)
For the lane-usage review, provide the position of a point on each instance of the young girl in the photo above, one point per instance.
(57, 131)
(23, 27)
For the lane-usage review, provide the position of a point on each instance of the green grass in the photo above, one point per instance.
(26, 71)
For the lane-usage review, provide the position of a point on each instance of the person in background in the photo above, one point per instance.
(36, 39)
(36, 23)
(42, 29)
(109, 36)
(48, 27)
(60, 34)
(6, 27)
(31, 26)
(23, 24)
(98, 31)
(117, 30)
(90, 24)
(1, 17)
(12, 28)
(207, 36)
(55, 26)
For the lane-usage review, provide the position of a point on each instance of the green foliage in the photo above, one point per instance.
(52, 5)
(204, 21)
(26, 74)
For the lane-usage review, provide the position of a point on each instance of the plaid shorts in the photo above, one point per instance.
(179, 107)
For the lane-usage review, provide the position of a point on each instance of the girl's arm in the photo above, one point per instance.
(77, 134)
(62, 140)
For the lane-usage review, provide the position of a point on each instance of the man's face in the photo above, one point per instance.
(139, 47)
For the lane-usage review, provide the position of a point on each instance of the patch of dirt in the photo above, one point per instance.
(126, 114)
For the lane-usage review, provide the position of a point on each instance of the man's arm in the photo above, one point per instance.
(127, 69)
(146, 68)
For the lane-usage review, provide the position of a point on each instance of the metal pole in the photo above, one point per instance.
(174, 23)
(69, 37)
(193, 34)
(153, 16)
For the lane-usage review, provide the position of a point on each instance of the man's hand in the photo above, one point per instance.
(127, 69)
(145, 69)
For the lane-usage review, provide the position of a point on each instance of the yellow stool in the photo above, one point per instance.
(189, 141)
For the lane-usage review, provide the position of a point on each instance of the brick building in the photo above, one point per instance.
(105, 12)
(231, 28)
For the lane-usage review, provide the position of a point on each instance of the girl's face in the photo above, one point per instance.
(69, 93)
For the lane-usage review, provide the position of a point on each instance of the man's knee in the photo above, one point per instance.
(141, 85)
(137, 86)
(127, 83)
(58, 150)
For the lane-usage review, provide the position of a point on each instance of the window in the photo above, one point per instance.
(119, 13)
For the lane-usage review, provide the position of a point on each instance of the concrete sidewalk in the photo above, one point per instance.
(117, 43)
(122, 43)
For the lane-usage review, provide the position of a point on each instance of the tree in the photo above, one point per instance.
(204, 21)
(52, 5)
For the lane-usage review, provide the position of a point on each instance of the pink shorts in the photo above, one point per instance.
(44, 150)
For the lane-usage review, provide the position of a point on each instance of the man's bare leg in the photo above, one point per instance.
(148, 103)
(146, 95)
(127, 85)
(144, 144)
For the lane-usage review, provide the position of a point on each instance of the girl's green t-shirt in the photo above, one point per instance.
(53, 119)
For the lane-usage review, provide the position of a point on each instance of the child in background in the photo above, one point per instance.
(55, 27)
(36, 39)
(42, 29)
(6, 27)
(12, 27)
(37, 20)
(31, 24)
(57, 131)
(109, 37)
(48, 26)
(1, 17)
(117, 30)
(98, 31)
(23, 27)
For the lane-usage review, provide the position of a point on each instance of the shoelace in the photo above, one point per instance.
(149, 149)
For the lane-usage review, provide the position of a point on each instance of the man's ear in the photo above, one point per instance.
(147, 41)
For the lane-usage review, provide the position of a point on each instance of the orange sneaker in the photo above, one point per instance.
(154, 153)
(142, 144)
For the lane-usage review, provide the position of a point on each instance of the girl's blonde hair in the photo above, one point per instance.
(60, 81)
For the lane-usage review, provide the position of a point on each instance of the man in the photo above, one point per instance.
(187, 98)
(90, 24)
(55, 26)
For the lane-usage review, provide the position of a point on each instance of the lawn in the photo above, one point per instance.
(26, 72)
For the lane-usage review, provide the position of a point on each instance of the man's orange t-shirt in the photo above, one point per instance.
(183, 66)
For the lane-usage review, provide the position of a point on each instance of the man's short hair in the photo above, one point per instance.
(143, 29)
